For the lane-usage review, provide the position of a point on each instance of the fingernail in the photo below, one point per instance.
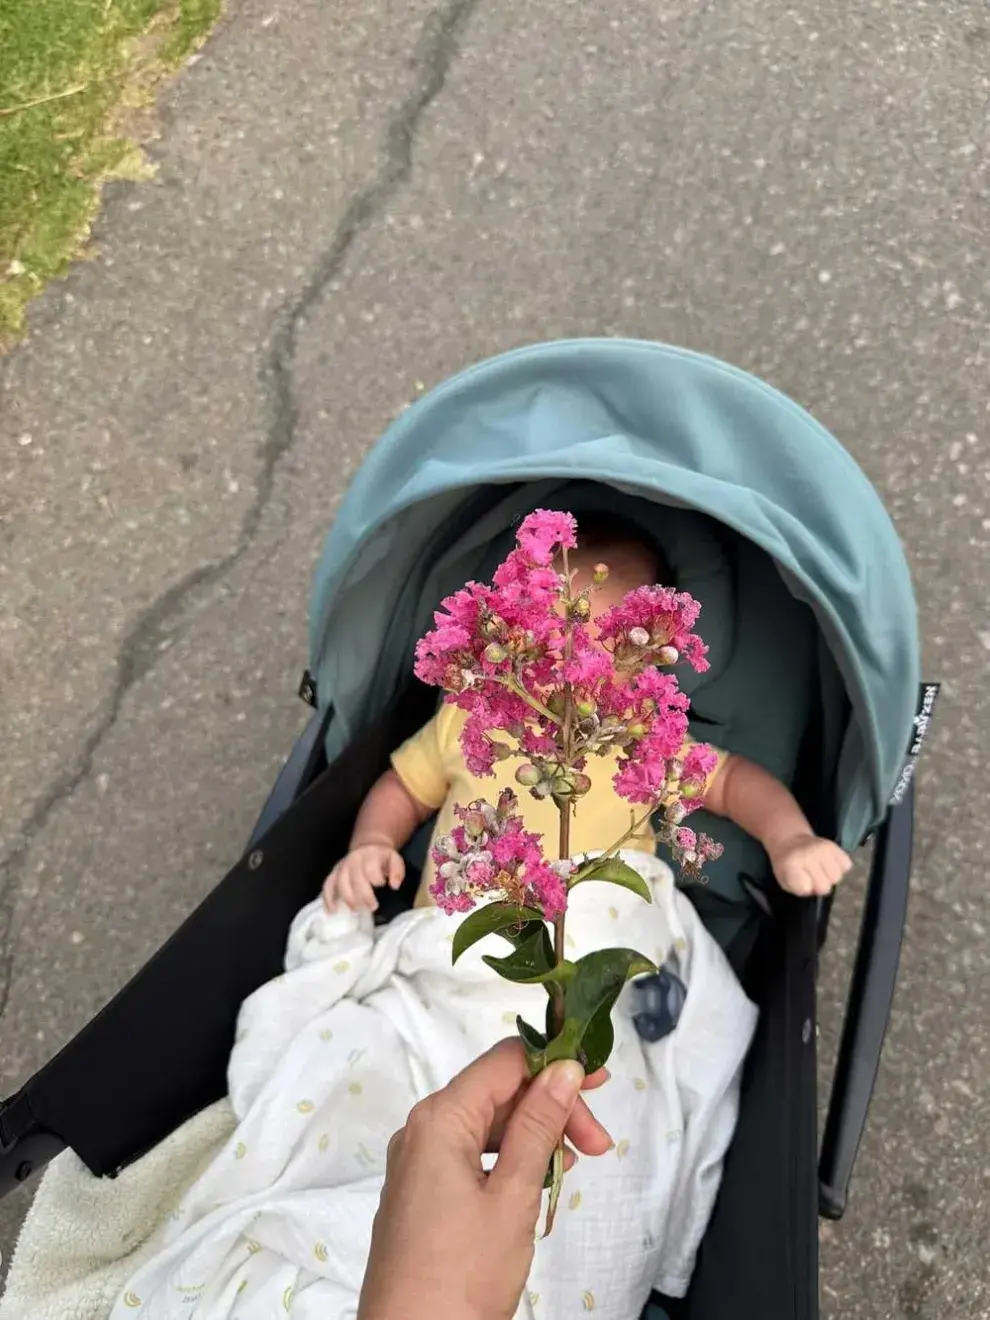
(564, 1080)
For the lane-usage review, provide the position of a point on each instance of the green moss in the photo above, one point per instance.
(66, 69)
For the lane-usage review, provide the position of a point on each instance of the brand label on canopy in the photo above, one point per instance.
(927, 697)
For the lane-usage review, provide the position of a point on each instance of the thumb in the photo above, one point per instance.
(536, 1128)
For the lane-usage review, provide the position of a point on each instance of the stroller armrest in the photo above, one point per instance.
(868, 1011)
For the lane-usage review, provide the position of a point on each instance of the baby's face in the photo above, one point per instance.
(629, 566)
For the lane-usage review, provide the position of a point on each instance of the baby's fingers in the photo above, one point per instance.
(797, 880)
(824, 883)
(835, 867)
(373, 872)
(354, 890)
(345, 887)
(827, 875)
(364, 895)
(396, 870)
(330, 891)
(843, 864)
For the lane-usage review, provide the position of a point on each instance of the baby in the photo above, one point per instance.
(429, 775)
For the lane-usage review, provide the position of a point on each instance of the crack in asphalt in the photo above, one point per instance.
(155, 629)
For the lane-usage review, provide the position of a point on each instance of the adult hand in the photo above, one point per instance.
(450, 1240)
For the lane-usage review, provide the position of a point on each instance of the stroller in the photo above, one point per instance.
(810, 619)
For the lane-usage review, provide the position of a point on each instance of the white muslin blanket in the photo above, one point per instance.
(331, 1056)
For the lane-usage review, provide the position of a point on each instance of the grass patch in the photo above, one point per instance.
(72, 74)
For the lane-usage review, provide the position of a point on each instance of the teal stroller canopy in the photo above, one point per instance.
(660, 424)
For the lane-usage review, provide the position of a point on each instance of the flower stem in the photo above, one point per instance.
(564, 849)
(513, 685)
(557, 1001)
(634, 828)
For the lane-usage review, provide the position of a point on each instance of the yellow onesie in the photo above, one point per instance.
(431, 766)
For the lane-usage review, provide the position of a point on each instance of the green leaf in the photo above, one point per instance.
(589, 998)
(567, 1043)
(505, 919)
(530, 1037)
(556, 1184)
(598, 1039)
(532, 962)
(601, 974)
(614, 871)
(535, 1044)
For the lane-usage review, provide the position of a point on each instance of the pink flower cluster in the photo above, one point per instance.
(692, 851)
(493, 645)
(489, 854)
(653, 626)
(518, 654)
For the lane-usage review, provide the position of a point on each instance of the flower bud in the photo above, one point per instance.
(639, 637)
(528, 776)
(446, 847)
(599, 574)
(585, 707)
(668, 655)
(556, 703)
(675, 813)
(474, 823)
(507, 802)
(500, 751)
(636, 730)
(495, 654)
(582, 785)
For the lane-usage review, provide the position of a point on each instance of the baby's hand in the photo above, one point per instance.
(355, 878)
(809, 865)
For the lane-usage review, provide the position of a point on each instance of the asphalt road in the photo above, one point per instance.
(354, 199)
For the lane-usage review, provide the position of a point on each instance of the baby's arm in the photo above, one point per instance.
(388, 818)
(750, 796)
